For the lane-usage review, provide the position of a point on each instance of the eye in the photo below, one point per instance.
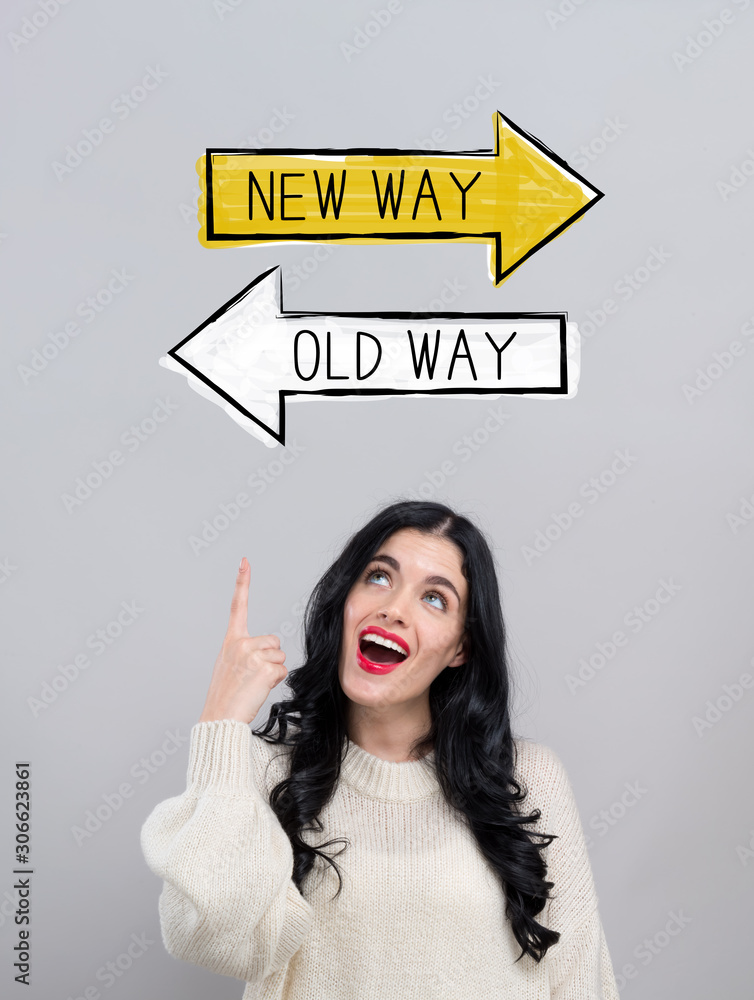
(371, 574)
(435, 596)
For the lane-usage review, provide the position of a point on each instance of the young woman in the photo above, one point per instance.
(462, 870)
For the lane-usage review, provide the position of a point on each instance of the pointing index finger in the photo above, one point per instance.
(239, 605)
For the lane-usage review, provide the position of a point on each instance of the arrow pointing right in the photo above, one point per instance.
(516, 198)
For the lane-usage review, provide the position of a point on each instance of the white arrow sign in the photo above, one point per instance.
(250, 355)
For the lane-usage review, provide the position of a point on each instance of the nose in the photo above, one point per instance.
(394, 611)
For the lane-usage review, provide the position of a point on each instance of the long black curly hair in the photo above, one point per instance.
(470, 730)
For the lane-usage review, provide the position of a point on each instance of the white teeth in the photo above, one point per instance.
(382, 641)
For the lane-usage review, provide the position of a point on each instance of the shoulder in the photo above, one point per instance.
(269, 763)
(538, 765)
(543, 776)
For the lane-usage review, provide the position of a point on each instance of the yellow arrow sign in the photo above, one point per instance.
(515, 199)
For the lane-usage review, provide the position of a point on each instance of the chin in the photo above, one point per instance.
(363, 688)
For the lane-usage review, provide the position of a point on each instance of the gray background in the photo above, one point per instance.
(680, 847)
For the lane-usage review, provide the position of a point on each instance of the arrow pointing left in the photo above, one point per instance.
(251, 354)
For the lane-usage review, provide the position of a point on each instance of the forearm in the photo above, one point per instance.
(228, 902)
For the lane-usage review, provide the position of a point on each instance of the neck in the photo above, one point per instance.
(387, 733)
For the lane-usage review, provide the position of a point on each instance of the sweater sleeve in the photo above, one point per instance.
(579, 965)
(228, 901)
(581, 968)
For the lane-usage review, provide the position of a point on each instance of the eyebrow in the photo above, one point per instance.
(434, 581)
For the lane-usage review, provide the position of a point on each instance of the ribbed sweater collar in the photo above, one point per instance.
(387, 780)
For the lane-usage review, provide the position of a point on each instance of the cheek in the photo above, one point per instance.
(440, 643)
(353, 613)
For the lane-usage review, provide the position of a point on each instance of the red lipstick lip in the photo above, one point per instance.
(387, 635)
(380, 668)
(373, 668)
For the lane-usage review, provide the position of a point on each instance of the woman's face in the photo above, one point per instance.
(412, 596)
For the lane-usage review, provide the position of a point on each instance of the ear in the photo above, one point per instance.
(462, 653)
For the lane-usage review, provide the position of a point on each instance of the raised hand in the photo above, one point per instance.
(247, 668)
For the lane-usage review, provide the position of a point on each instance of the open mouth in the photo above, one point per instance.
(381, 651)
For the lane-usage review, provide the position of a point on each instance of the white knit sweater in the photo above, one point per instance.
(421, 915)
